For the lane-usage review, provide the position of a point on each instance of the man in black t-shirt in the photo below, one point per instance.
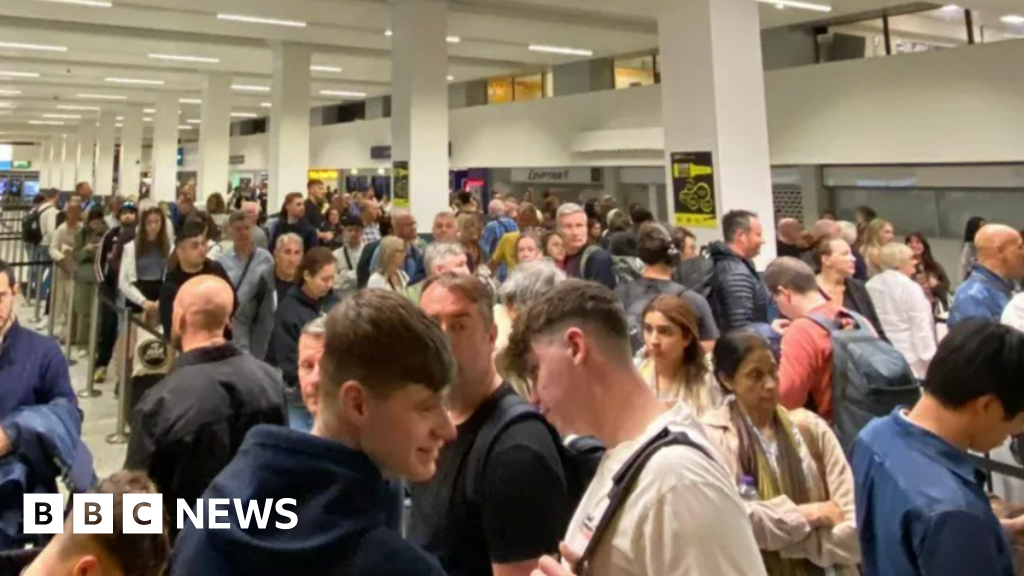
(188, 262)
(501, 517)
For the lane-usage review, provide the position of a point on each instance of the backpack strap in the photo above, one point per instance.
(622, 485)
(587, 252)
(511, 409)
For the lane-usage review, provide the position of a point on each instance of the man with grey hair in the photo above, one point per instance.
(528, 282)
(251, 270)
(587, 262)
(403, 225)
(259, 236)
(499, 225)
(440, 258)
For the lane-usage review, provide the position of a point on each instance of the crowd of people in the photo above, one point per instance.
(554, 388)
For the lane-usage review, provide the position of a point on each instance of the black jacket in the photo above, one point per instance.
(302, 228)
(738, 296)
(188, 427)
(857, 299)
(175, 278)
(293, 313)
(339, 503)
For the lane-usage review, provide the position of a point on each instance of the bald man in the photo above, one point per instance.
(988, 288)
(188, 427)
(789, 236)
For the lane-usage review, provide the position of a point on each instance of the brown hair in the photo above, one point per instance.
(288, 200)
(313, 261)
(587, 305)
(528, 217)
(678, 312)
(134, 554)
(215, 204)
(371, 321)
(142, 244)
(470, 288)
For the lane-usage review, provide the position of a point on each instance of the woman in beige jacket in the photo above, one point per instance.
(789, 467)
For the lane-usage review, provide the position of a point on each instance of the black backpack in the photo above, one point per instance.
(363, 271)
(32, 227)
(580, 457)
(635, 297)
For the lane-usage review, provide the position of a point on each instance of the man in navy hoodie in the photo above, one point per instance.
(375, 419)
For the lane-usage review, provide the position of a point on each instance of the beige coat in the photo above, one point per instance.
(778, 525)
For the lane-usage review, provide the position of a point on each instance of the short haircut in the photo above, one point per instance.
(238, 217)
(588, 306)
(791, 274)
(735, 222)
(289, 238)
(371, 321)
(193, 228)
(438, 252)
(654, 245)
(849, 232)
(444, 215)
(470, 288)
(50, 193)
(8, 271)
(867, 212)
(679, 236)
(978, 357)
(135, 554)
(313, 261)
(530, 281)
(640, 215)
(317, 328)
(397, 213)
(350, 221)
(313, 183)
(568, 209)
(387, 248)
(291, 197)
(894, 256)
(465, 220)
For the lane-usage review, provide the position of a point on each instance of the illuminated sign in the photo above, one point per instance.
(22, 164)
(324, 174)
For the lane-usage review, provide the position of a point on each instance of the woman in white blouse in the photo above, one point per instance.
(389, 274)
(903, 307)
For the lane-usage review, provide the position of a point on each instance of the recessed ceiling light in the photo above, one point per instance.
(101, 97)
(46, 122)
(141, 81)
(149, 110)
(193, 121)
(19, 74)
(184, 127)
(6, 105)
(1013, 19)
(950, 8)
(177, 58)
(63, 116)
(39, 47)
(259, 20)
(265, 105)
(147, 119)
(189, 101)
(316, 68)
(453, 39)
(90, 3)
(561, 50)
(343, 93)
(451, 78)
(118, 125)
(250, 88)
(798, 4)
(389, 33)
(71, 107)
(119, 118)
(244, 115)
(10, 92)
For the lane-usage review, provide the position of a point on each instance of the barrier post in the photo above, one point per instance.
(90, 391)
(69, 324)
(37, 265)
(52, 299)
(119, 436)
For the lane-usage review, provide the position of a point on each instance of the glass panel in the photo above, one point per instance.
(499, 91)
(909, 209)
(937, 29)
(529, 88)
(853, 41)
(631, 72)
(989, 27)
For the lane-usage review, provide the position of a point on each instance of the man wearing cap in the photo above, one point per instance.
(107, 269)
(348, 255)
(189, 260)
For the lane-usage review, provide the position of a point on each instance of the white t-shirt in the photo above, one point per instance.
(684, 516)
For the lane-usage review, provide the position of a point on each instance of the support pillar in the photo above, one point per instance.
(215, 136)
(45, 148)
(289, 123)
(712, 82)
(131, 152)
(69, 162)
(105, 154)
(165, 148)
(419, 123)
(86, 158)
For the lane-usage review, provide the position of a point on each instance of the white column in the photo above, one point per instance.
(419, 123)
(105, 153)
(131, 152)
(165, 148)
(45, 148)
(87, 152)
(712, 83)
(69, 162)
(289, 123)
(215, 135)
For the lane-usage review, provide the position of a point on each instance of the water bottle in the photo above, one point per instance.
(748, 489)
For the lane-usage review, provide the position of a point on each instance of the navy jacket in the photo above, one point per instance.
(32, 371)
(592, 263)
(293, 313)
(341, 502)
(738, 296)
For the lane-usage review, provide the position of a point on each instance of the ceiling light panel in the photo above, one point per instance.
(564, 50)
(244, 115)
(193, 121)
(37, 47)
(46, 122)
(89, 3)
(265, 105)
(101, 97)
(343, 93)
(261, 20)
(63, 116)
(17, 74)
(137, 81)
(80, 108)
(250, 88)
(1013, 19)
(149, 110)
(184, 58)
(10, 92)
(184, 127)
(799, 4)
(316, 68)
(453, 39)
(189, 101)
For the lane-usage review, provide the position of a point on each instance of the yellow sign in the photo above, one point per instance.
(693, 187)
(323, 174)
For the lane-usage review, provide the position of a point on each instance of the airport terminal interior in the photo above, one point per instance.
(869, 121)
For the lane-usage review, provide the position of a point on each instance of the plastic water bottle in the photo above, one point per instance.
(748, 490)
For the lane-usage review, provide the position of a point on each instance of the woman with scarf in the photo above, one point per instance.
(789, 466)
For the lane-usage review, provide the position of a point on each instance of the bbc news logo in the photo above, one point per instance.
(144, 513)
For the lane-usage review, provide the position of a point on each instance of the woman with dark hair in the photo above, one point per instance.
(292, 220)
(553, 246)
(595, 232)
(833, 261)
(789, 466)
(332, 224)
(217, 208)
(970, 254)
(311, 297)
(470, 231)
(673, 360)
(930, 274)
(143, 261)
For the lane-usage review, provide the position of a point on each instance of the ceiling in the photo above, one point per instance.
(116, 42)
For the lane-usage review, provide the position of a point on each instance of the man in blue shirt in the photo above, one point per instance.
(988, 289)
(921, 504)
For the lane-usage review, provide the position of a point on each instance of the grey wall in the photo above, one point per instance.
(584, 76)
(787, 47)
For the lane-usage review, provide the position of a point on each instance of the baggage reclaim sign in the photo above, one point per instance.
(693, 190)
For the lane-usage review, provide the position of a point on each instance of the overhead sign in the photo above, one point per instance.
(400, 184)
(22, 164)
(384, 152)
(323, 174)
(693, 189)
(558, 175)
(236, 159)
